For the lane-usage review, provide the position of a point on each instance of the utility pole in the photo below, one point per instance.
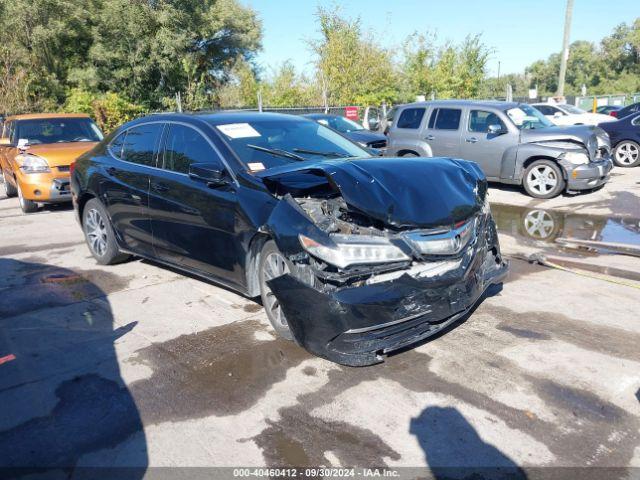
(565, 48)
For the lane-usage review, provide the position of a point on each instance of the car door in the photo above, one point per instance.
(443, 132)
(481, 146)
(133, 156)
(193, 221)
(405, 132)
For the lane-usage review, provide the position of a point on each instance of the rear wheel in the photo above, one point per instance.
(27, 206)
(543, 179)
(99, 234)
(273, 265)
(408, 154)
(627, 154)
(9, 189)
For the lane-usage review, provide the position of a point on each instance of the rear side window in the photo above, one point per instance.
(446, 119)
(410, 118)
(185, 146)
(140, 144)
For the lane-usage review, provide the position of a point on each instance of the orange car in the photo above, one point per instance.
(36, 152)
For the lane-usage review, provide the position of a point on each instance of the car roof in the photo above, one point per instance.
(40, 116)
(463, 103)
(218, 118)
(320, 115)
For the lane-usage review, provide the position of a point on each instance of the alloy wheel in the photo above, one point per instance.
(539, 224)
(627, 153)
(96, 231)
(274, 266)
(542, 179)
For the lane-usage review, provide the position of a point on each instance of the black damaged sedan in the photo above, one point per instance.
(353, 256)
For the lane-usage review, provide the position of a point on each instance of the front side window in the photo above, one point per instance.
(480, 120)
(410, 118)
(116, 145)
(544, 109)
(185, 146)
(448, 119)
(140, 144)
(264, 143)
(573, 110)
(344, 125)
(57, 130)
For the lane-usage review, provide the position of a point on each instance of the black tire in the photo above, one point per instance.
(27, 206)
(626, 154)
(409, 154)
(99, 234)
(9, 189)
(266, 272)
(548, 172)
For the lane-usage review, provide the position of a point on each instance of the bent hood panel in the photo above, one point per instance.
(399, 192)
(578, 133)
(60, 154)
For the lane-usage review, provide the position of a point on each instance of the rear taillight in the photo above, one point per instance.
(72, 167)
(613, 113)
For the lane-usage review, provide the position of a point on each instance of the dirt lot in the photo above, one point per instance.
(137, 365)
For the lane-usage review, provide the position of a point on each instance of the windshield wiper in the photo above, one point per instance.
(322, 154)
(278, 153)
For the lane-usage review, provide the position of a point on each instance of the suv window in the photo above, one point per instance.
(410, 118)
(447, 118)
(479, 121)
(139, 145)
(185, 146)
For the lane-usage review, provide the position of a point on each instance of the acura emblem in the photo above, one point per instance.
(457, 243)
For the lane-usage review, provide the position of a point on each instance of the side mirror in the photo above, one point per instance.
(557, 115)
(211, 173)
(5, 142)
(496, 129)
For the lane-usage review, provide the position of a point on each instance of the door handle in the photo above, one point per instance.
(471, 140)
(430, 137)
(159, 187)
(112, 170)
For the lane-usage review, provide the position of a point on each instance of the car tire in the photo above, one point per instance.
(273, 264)
(409, 155)
(9, 189)
(27, 206)
(626, 154)
(99, 234)
(543, 179)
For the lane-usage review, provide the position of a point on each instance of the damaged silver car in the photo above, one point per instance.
(354, 256)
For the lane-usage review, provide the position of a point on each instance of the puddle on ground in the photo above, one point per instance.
(536, 224)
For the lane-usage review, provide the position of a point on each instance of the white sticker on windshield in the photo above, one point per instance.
(255, 167)
(238, 130)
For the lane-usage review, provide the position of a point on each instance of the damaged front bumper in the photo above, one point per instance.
(358, 325)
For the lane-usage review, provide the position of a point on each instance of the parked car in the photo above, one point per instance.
(628, 110)
(339, 245)
(36, 151)
(565, 114)
(611, 110)
(625, 139)
(512, 142)
(352, 130)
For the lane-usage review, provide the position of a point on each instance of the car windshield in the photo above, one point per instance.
(341, 124)
(266, 143)
(57, 130)
(526, 117)
(573, 110)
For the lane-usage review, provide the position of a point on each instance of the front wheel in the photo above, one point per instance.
(9, 189)
(273, 265)
(627, 154)
(27, 206)
(543, 179)
(99, 234)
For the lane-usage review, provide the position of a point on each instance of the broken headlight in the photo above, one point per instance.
(354, 249)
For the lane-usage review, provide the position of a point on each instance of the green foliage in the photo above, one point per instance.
(109, 110)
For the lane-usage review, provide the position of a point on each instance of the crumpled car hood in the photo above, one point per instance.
(578, 133)
(399, 192)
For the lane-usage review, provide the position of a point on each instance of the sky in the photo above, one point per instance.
(518, 31)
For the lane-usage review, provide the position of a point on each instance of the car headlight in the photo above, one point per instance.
(354, 249)
(32, 163)
(576, 158)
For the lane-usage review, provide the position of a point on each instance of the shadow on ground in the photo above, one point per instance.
(65, 408)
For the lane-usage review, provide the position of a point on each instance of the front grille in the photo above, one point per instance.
(63, 168)
(378, 144)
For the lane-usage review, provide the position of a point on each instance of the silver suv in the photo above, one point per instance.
(512, 142)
